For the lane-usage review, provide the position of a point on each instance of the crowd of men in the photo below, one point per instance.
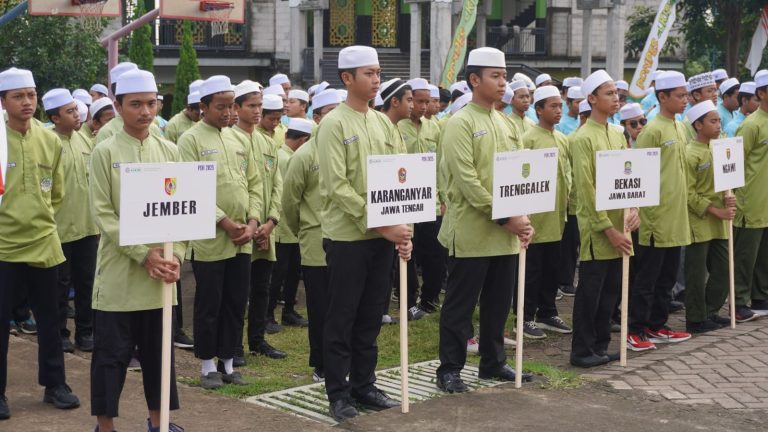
(291, 204)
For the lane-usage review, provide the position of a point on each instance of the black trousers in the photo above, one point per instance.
(569, 252)
(599, 289)
(541, 281)
(432, 257)
(40, 284)
(654, 277)
(491, 280)
(115, 335)
(78, 271)
(261, 270)
(358, 279)
(220, 298)
(178, 310)
(285, 276)
(316, 286)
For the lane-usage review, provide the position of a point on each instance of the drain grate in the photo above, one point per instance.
(310, 401)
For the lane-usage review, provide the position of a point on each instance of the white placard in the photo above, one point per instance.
(728, 163)
(167, 202)
(627, 178)
(524, 182)
(401, 189)
(3, 148)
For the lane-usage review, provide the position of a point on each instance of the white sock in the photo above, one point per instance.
(228, 366)
(208, 366)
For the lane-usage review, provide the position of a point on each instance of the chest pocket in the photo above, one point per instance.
(430, 145)
(270, 164)
(45, 179)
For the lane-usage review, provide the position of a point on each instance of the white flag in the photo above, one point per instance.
(758, 43)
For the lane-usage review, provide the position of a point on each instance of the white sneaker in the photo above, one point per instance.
(509, 341)
(473, 347)
(386, 319)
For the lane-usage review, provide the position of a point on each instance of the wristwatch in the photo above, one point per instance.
(274, 220)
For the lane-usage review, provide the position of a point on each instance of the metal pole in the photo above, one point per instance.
(586, 44)
(318, 44)
(615, 43)
(13, 13)
(415, 40)
(110, 41)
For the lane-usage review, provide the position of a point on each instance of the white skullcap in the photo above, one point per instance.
(575, 93)
(195, 85)
(460, 86)
(215, 84)
(121, 68)
(584, 106)
(325, 98)
(699, 110)
(100, 88)
(545, 92)
(434, 91)
(343, 94)
(99, 105)
(378, 101)
(630, 110)
(300, 125)
(728, 84)
(572, 82)
(311, 89)
(279, 79)
(719, 74)
(526, 79)
(136, 81)
(57, 98)
(655, 74)
(508, 95)
(747, 87)
(193, 98)
(418, 84)
(298, 94)
(542, 78)
(246, 87)
(517, 85)
(487, 57)
(761, 78)
(82, 110)
(699, 81)
(12, 79)
(622, 85)
(273, 102)
(461, 102)
(82, 96)
(322, 87)
(276, 89)
(671, 80)
(389, 88)
(595, 80)
(357, 56)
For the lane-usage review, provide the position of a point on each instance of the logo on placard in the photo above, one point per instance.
(526, 170)
(628, 168)
(728, 153)
(170, 186)
(402, 175)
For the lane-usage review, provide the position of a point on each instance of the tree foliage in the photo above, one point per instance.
(640, 22)
(187, 69)
(140, 50)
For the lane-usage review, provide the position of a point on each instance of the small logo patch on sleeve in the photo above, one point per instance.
(479, 133)
(351, 140)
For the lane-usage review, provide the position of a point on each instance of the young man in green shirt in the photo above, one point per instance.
(102, 112)
(127, 291)
(77, 231)
(706, 258)
(482, 252)
(748, 103)
(182, 121)
(664, 229)
(359, 259)
(31, 249)
(541, 276)
(521, 102)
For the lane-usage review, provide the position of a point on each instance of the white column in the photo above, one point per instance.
(441, 32)
(298, 39)
(586, 43)
(614, 57)
(481, 29)
(415, 40)
(318, 43)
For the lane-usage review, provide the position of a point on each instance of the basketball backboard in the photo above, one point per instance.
(203, 10)
(112, 8)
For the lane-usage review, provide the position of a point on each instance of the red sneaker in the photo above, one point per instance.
(666, 335)
(638, 342)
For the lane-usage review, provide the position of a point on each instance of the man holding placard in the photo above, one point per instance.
(127, 292)
(482, 252)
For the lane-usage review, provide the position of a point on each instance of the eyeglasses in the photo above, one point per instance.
(622, 98)
(634, 123)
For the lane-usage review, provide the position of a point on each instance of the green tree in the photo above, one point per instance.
(140, 50)
(640, 22)
(187, 69)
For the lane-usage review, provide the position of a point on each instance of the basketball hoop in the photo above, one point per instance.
(90, 14)
(219, 12)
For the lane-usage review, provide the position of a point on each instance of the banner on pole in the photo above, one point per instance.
(649, 60)
(167, 202)
(524, 182)
(728, 163)
(402, 189)
(627, 178)
(458, 50)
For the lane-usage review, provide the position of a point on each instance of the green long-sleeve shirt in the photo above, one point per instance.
(34, 191)
(177, 125)
(471, 139)
(302, 203)
(423, 139)
(667, 224)
(239, 192)
(523, 124)
(73, 219)
(122, 283)
(283, 233)
(549, 226)
(573, 197)
(116, 124)
(592, 138)
(701, 195)
(751, 210)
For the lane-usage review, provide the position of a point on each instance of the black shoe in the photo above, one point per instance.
(612, 357)
(293, 319)
(84, 344)
(675, 306)
(318, 375)
(376, 400)
(238, 361)
(702, 327)
(66, 345)
(568, 290)
(506, 373)
(5, 412)
(61, 397)
(745, 314)
(181, 340)
(429, 306)
(723, 321)
(342, 410)
(268, 350)
(759, 305)
(272, 326)
(589, 361)
(451, 382)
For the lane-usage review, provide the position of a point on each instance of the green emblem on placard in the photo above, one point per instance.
(526, 170)
(628, 168)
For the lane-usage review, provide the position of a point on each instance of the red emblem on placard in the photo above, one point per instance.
(402, 175)
(170, 186)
